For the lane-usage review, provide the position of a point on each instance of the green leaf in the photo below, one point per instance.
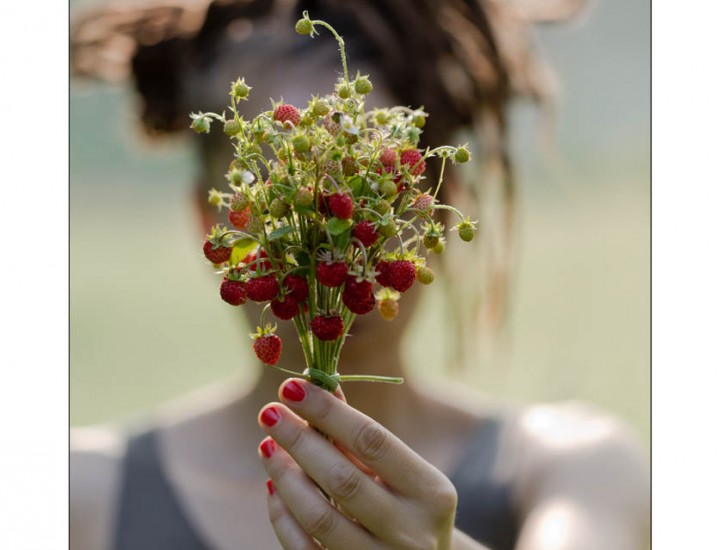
(356, 184)
(241, 248)
(280, 232)
(336, 226)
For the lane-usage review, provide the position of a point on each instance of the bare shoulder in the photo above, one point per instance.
(579, 451)
(96, 457)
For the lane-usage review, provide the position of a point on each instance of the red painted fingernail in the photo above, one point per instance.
(269, 416)
(267, 448)
(270, 486)
(292, 391)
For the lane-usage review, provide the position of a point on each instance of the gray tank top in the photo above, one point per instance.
(150, 516)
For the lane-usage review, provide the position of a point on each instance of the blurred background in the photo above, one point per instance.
(146, 324)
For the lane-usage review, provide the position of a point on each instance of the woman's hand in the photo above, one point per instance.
(387, 496)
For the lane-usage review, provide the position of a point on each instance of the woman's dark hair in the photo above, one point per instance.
(462, 60)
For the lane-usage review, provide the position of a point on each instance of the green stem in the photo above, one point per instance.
(341, 44)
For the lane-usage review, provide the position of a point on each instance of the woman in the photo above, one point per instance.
(416, 470)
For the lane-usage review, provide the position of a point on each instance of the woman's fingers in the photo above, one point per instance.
(307, 505)
(385, 454)
(288, 531)
(359, 496)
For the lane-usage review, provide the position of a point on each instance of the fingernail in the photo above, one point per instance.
(267, 448)
(270, 486)
(292, 391)
(269, 416)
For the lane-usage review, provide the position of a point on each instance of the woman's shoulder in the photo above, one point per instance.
(96, 464)
(573, 429)
(574, 450)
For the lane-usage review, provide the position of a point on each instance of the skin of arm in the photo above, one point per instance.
(586, 486)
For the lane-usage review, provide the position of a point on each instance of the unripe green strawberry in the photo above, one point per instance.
(240, 90)
(232, 127)
(466, 230)
(304, 26)
(462, 154)
(425, 275)
(389, 229)
(304, 198)
(418, 121)
(363, 85)
(201, 124)
(439, 248)
(382, 117)
(279, 208)
(388, 189)
(301, 143)
(430, 240)
(413, 135)
(344, 91)
(383, 207)
(320, 108)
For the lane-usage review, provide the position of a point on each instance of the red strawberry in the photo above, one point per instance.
(388, 158)
(358, 296)
(332, 274)
(424, 201)
(233, 292)
(412, 158)
(327, 327)
(383, 276)
(341, 205)
(241, 219)
(284, 308)
(287, 113)
(216, 255)
(268, 348)
(357, 289)
(297, 287)
(262, 289)
(402, 275)
(365, 233)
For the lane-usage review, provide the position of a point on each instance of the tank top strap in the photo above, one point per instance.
(150, 516)
(485, 508)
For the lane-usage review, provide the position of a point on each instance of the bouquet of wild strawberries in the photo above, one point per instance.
(326, 206)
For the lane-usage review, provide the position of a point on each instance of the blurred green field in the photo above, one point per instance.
(146, 324)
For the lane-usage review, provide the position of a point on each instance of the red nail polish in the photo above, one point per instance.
(267, 448)
(292, 391)
(270, 486)
(269, 416)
